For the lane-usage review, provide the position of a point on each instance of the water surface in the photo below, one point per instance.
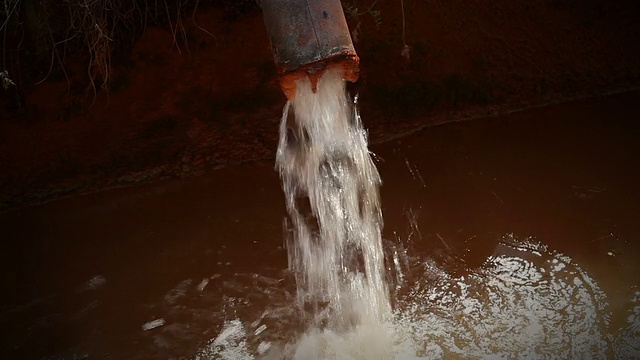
(513, 236)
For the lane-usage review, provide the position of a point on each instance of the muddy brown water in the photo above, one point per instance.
(154, 272)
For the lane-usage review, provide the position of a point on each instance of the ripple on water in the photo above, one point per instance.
(523, 302)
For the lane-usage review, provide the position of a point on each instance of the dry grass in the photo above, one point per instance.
(89, 29)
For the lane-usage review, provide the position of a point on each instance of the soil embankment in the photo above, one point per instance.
(211, 99)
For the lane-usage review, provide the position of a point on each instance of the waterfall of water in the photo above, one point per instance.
(331, 189)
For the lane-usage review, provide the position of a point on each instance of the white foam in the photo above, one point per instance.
(150, 325)
(230, 344)
(627, 343)
(510, 308)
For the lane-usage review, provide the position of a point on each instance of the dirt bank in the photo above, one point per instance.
(177, 108)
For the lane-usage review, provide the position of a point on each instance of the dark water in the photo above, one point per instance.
(479, 213)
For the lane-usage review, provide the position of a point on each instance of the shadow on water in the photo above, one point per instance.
(512, 235)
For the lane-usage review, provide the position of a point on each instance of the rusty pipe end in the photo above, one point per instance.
(307, 38)
(349, 66)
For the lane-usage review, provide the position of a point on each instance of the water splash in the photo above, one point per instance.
(523, 302)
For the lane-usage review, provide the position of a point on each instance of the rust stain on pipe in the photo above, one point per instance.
(307, 37)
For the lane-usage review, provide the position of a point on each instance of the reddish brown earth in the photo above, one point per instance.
(180, 109)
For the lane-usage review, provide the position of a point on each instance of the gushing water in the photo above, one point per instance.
(331, 189)
(524, 301)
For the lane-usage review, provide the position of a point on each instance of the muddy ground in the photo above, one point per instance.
(179, 106)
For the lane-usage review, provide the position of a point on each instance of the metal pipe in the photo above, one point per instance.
(307, 37)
